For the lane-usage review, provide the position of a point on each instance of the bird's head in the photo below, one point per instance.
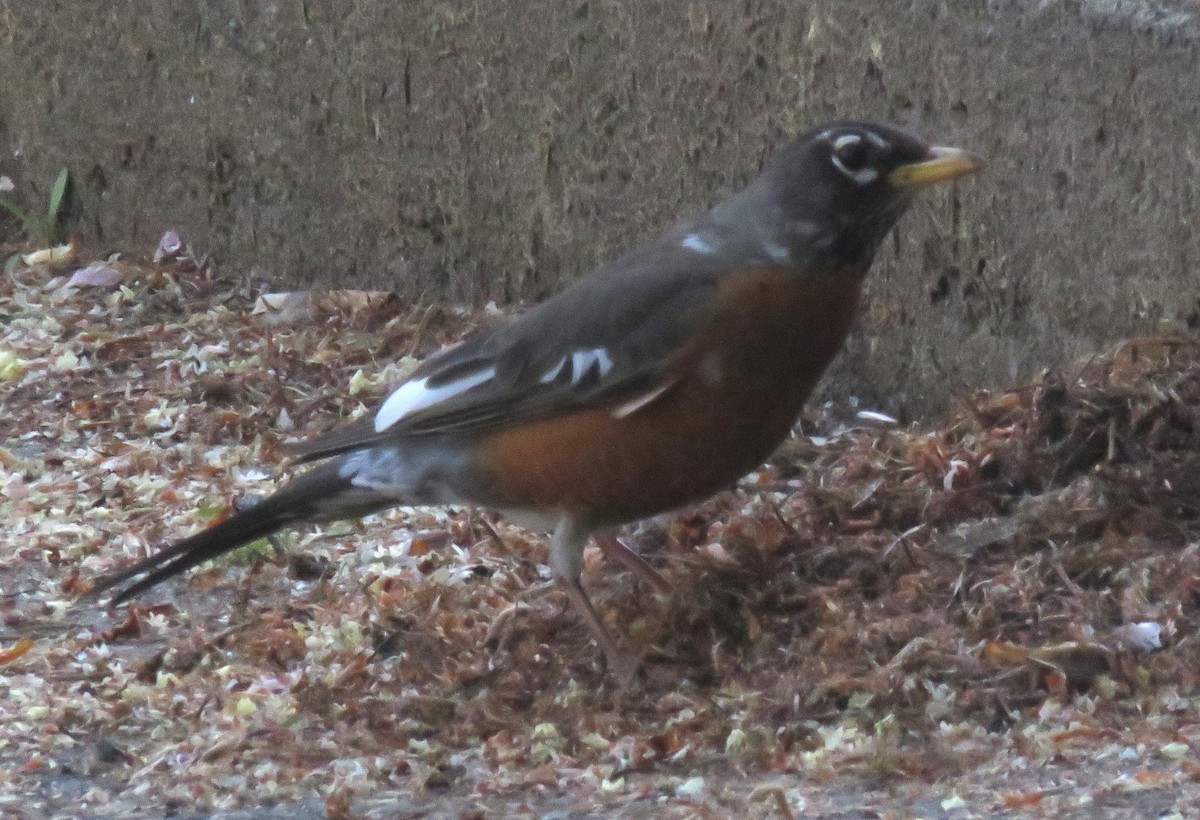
(838, 189)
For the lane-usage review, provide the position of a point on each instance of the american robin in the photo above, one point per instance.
(654, 382)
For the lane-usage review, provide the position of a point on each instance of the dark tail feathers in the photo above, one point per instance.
(321, 494)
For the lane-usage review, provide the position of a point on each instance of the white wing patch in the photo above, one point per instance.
(417, 395)
(580, 362)
(638, 402)
(777, 252)
(554, 372)
(695, 242)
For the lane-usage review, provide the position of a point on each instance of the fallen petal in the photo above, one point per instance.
(169, 244)
(96, 275)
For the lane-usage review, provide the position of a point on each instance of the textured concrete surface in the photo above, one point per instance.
(469, 151)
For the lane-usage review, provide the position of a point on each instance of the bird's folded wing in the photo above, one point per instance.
(611, 340)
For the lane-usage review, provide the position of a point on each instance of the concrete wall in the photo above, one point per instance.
(496, 149)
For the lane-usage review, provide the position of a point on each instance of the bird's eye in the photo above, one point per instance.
(852, 156)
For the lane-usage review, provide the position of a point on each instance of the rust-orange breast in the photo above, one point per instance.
(737, 390)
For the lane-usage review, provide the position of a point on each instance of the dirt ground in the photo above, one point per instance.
(991, 616)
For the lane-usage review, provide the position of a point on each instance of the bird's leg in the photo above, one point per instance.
(623, 667)
(566, 561)
(617, 550)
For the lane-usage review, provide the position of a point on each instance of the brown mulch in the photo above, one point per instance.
(994, 616)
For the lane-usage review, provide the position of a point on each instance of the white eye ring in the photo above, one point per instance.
(863, 176)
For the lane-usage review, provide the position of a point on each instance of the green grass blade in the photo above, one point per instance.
(57, 193)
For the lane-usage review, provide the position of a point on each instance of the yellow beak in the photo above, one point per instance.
(941, 163)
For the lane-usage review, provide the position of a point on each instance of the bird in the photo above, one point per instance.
(652, 383)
